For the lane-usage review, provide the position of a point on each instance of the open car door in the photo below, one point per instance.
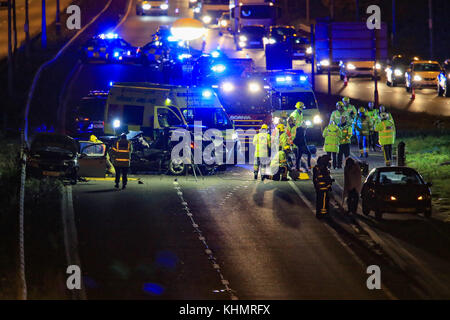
(92, 161)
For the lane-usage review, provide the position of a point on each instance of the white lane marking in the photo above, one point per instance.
(70, 237)
(130, 2)
(300, 194)
(212, 259)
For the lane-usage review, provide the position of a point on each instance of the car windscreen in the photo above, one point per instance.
(95, 43)
(427, 67)
(92, 149)
(94, 109)
(301, 40)
(257, 12)
(212, 118)
(399, 177)
(283, 32)
(287, 100)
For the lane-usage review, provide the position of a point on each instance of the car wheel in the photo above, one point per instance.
(378, 214)
(446, 92)
(428, 212)
(365, 208)
(388, 83)
(177, 168)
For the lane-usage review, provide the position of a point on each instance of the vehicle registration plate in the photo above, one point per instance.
(96, 54)
(51, 173)
(255, 42)
(405, 210)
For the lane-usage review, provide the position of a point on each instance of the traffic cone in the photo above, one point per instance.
(345, 81)
(413, 93)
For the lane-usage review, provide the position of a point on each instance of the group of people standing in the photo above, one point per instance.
(365, 124)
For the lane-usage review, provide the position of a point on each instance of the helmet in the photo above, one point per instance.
(300, 105)
(362, 109)
(382, 108)
(384, 116)
(339, 104)
(287, 147)
(93, 138)
(346, 99)
(123, 135)
(280, 127)
(264, 126)
(370, 105)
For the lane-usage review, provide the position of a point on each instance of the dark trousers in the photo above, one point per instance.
(322, 202)
(121, 171)
(302, 150)
(333, 156)
(387, 151)
(362, 143)
(352, 201)
(373, 140)
(344, 151)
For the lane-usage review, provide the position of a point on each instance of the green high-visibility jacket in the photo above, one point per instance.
(374, 117)
(346, 135)
(332, 135)
(279, 159)
(351, 109)
(336, 116)
(283, 138)
(261, 141)
(386, 132)
(290, 132)
(298, 117)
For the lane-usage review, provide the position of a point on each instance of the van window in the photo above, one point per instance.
(133, 115)
(214, 118)
(167, 118)
(288, 100)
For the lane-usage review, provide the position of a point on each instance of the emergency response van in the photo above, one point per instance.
(151, 108)
(286, 89)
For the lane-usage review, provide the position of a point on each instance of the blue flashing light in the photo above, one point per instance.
(219, 68)
(109, 35)
(111, 83)
(206, 93)
(172, 39)
(116, 54)
(184, 56)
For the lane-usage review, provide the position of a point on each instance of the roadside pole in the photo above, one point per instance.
(330, 56)
(14, 24)
(26, 29)
(313, 47)
(375, 73)
(43, 27)
(57, 19)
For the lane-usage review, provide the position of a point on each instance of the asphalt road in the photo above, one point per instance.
(151, 240)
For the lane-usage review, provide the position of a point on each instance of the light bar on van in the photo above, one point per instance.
(303, 78)
(108, 35)
(218, 68)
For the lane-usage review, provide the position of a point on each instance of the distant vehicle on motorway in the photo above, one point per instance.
(352, 69)
(144, 7)
(395, 190)
(108, 47)
(280, 33)
(324, 65)
(224, 22)
(151, 53)
(193, 3)
(253, 12)
(422, 74)
(301, 48)
(444, 80)
(210, 11)
(395, 70)
(89, 114)
(252, 36)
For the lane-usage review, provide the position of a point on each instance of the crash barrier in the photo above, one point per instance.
(401, 155)
(26, 143)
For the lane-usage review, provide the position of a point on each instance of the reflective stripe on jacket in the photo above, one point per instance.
(346, 134)
(298, 117)
(332, 135)
(122, 153)
(386, 132)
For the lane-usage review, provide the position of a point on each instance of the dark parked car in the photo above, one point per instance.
(54, 155)
(281, 33)
(395, 71)
(396, 190)
(444, 80)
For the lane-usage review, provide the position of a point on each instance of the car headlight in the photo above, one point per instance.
(317, 119)
(324, 63)
(219, 68)
(242, 38)
(392, 198)
(254, 87)
(351, 66)
(309, 50)
(146, 6)
(308, 123)
(206, 19)
(378, 66)
(398, 72)
(242, 43)
(417, 78)
(197, 10)
(164, 6)
(224, 23)
(116, 123)
(420, 197)
(272, 41)
(227, 87)
(206, 93)
(276, 120)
